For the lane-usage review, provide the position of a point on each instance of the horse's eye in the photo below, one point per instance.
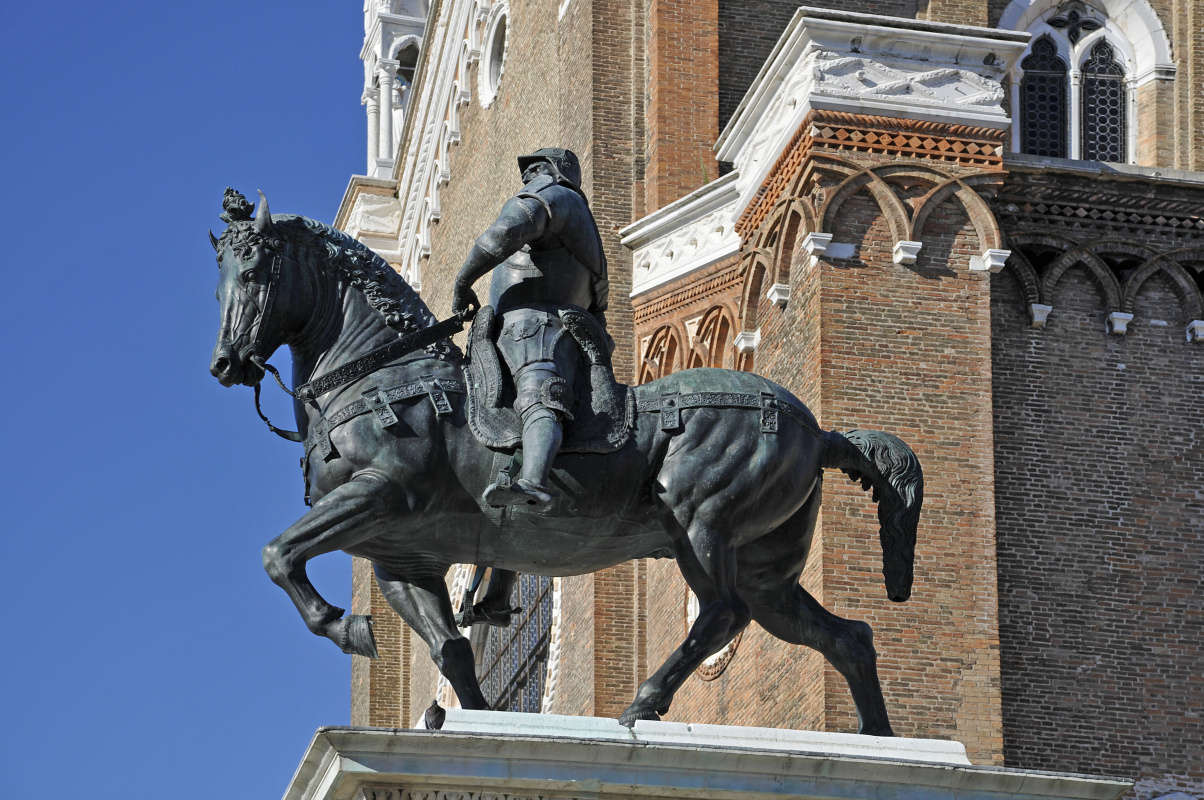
(249, 276)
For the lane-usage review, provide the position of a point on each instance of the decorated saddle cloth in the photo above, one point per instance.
(603, 414)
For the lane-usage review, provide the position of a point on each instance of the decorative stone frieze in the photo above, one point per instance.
(853, 63)
(374, 213)
(684, 236)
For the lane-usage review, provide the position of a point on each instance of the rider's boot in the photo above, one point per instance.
(542, 435)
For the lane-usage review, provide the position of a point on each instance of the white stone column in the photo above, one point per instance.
(386, 77)
(371, 99)
(1075, 149)
(1015, 109)
(1130, 85)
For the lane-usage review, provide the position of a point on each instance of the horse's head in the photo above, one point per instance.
(249, 256)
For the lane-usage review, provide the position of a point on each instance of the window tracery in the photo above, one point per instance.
(1043, 98)
(1104, 102)
(515, 659)
(1072, 94)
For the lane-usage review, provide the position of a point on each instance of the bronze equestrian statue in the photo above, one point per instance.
(403, 435)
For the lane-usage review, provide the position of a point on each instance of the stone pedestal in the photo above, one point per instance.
(486, 755)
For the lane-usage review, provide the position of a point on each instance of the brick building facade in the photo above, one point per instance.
(987, 240)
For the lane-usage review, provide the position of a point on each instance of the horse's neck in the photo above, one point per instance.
(349, 327)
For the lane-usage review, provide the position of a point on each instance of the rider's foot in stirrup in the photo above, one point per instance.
(521, 493)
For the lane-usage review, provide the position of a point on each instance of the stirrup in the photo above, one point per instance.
(520, 493)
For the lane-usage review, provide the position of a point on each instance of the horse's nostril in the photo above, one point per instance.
(221, 365)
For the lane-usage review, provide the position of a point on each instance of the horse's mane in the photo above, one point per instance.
(383, 288)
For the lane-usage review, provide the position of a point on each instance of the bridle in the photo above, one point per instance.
(257, 358)
(347, 373)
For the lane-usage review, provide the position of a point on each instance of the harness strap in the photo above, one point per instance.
(669, 406)
(292, 436)
(434, 388)
(382, 356)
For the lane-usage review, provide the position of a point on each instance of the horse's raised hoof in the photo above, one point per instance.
(636, 712)
(480, 614)
(357, 636)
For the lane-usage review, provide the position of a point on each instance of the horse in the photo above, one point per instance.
(733, 503)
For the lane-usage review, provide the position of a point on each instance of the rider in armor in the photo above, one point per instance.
(546, 254)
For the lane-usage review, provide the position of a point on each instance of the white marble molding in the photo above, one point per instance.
(837, 61)
(486, 755)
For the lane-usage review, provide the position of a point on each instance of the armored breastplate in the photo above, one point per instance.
(537, 276)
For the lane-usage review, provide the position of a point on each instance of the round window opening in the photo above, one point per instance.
(714, 665)
(497, 54)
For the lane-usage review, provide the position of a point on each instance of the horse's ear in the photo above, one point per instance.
(213, 241)
(263, 219)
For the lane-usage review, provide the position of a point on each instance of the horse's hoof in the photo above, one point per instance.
(478, 614)
(883, 731)
(634, 713)
(360, 641)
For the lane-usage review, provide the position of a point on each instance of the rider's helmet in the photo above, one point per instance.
(565, 166)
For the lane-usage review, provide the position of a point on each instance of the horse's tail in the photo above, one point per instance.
(885, 463)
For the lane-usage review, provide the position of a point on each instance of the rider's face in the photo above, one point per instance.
(535, 170)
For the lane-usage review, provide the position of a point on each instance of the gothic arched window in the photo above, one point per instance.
(1043, 106)
(515, 659)
(1104, 101)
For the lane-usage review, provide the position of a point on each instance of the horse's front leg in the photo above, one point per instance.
(422, 601)
(343, 518)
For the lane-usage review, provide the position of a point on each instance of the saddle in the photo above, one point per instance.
(604, 415)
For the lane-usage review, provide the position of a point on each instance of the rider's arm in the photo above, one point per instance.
(598, 308)
(523, 220)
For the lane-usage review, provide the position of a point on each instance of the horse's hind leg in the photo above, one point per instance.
(341, 519)
(769, 570)
(794, 616)
(425, 606)
(709, 566)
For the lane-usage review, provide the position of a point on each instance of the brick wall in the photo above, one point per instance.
(682, 107)
(1099, 476)
(380, 688)
(1100, 497)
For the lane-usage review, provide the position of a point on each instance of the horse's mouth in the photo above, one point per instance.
(252, 371)
(233, 369)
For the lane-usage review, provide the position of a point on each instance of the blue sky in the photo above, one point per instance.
(145, 652)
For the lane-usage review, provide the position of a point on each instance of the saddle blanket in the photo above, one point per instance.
(604, 414)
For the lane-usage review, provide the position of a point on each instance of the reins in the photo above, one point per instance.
(350, 372)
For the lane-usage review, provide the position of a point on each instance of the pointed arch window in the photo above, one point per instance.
(1043, 107)
(1104, 100)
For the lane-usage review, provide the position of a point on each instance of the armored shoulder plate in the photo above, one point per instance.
(571, 222)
